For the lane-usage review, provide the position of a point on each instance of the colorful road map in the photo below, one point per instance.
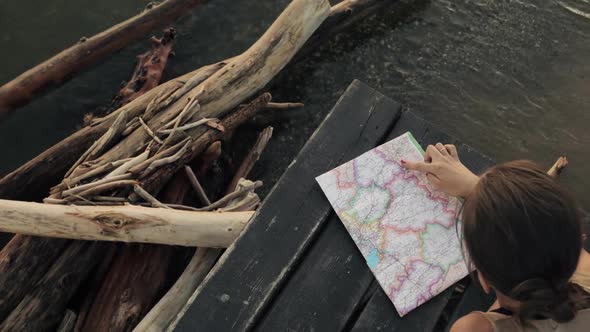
(405, 229)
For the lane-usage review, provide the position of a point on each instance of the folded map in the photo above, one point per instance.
(405, 229)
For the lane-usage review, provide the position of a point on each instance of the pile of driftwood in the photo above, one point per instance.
(127, 177)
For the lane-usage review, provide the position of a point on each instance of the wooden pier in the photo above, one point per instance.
(295, 268)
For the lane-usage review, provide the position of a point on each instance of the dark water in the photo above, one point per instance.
(511, 78)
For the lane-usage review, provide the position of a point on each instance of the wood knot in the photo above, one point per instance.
(266, 97)
(150, 5)
(64, 281)
(125, 295)
(112, 221)
(132, 317)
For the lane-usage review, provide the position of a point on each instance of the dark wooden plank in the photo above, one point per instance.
(379, 313)
(325, 289)
(328, 286)
(255, 267)
(474, 160)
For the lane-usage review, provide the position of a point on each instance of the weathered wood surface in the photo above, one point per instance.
(332, 307)
(27, 258)
(379, 312)
(153, 310)
(87, 51)
(163, 314)
(121, 292)
(92, 286)
(220, 92)
(324, 292)
(243, 76)
(289, 219)
(123, 223)
(42, 307)
(67, 322)
(171, 307)
(343, 15)
(315, 278)
(148, 70)
(129, 288)
(31, 181)
(251, 158)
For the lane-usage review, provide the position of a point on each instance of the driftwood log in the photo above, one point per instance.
(126, 290)
(271, 61)
(32, 180)
(213, 98)
(123, 295)
(123, 223)
(251, 158)
(49, 167)
(558, 167)
(23, 261)
(68, 322)
(86, 52)
(37, 259)
(170, 308)
(148, 70)
(42, 307)
(92, 286)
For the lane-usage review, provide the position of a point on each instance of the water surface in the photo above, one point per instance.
(509, 77)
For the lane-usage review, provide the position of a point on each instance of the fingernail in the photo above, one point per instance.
(403, 161)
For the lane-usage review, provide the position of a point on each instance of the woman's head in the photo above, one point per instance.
(523, 235)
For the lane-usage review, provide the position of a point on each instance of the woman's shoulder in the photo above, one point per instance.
(475, 321)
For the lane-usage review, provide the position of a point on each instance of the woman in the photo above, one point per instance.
(523, 236)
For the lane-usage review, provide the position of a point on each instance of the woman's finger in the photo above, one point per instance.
(417, 166)
(452, 151)
(440, 147)
(432, 153)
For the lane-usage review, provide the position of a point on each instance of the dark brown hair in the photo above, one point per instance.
(523, 233)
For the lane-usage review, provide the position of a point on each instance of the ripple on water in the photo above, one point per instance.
(508, 77)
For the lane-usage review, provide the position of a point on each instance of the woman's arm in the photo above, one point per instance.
(444, 170)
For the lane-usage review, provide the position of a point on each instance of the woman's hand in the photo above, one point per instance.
(444, 170)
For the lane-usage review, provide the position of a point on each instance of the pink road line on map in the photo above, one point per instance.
(385, 156)
(445, 210)
(343, 184)
(352, 185)
(439, 279)
(411, 264)
(421, 297)
(409, 177)
(415, 230)
(382, 243)
(430, 194)
(396, 176)
(382, 155)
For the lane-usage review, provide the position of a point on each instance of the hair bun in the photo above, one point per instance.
(542, 299)
(564, 306)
